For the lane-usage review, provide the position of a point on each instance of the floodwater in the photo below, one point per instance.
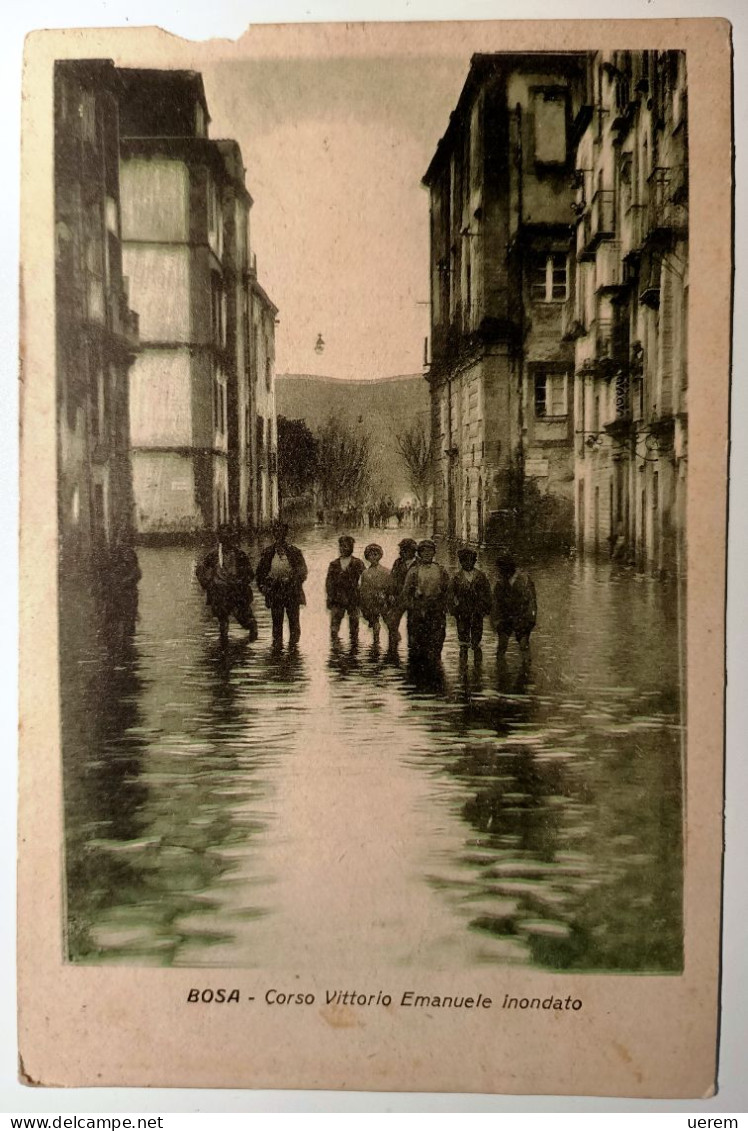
(243, 808)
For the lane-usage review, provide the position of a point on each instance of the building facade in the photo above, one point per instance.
(263, 317)
(628, 311)
(96, 331)
(501, 372)
(187, 248)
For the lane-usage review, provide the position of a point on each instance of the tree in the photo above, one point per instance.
(343, 464)
(414, 445)
(297, 458)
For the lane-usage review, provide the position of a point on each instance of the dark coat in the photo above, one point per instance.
(290, 592)
(399, 572)
(226, 588)
(470, 597)
(515, 606)
(341, 585)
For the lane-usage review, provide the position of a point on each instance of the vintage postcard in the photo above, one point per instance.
(374, 478)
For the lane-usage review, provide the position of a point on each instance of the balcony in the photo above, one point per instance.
(572, 322)
(633, 229)
(650, 275)
(602, 215)
(610, 275)
(596, 224)
(621, 423)
(585, 353)
(604, 338)
(585, 245)
(610, 342)
(122, 322)
(668, 210)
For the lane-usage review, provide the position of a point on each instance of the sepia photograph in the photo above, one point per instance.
(412, 481)
(374, 535)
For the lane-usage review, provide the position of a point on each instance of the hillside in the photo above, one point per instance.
(382, 408)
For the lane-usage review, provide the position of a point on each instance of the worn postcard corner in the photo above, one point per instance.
(374, 420)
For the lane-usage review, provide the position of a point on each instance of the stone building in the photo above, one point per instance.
(501, 374)
(187, 251)
(96, 331)
(628, 310)
(262, 320)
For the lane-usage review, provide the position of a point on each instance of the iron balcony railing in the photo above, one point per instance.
(623, 397)
(611, 347)
(668, 211)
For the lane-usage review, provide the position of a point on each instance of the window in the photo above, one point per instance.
(268, 374)
(550, 395)
(219, 405)
(217, 310)
(549, 277)
(549, 108)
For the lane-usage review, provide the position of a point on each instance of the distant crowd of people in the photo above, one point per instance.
(416, 587)
(379, 513)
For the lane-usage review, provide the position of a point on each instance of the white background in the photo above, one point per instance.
(198, 19)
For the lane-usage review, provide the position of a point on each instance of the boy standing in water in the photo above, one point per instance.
(281, 573)
(375, 590)
(469, 600)
(398, 573)
(226, 575)
(425, 597)
(341, 587)
(515, 607)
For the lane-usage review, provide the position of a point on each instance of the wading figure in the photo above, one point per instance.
(515, 607)
(226, 576)
(425, 595)
(469, 600)
(281, 573)
(375, 590)
(122, 580)
(398, 573)
(341, 587)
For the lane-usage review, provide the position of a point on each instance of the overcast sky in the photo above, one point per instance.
(335, 151)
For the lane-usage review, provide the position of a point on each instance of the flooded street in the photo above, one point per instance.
(243, 808)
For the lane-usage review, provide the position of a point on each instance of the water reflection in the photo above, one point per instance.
(223, 803)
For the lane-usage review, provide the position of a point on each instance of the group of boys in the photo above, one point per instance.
(416, 586)
(421, 588)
